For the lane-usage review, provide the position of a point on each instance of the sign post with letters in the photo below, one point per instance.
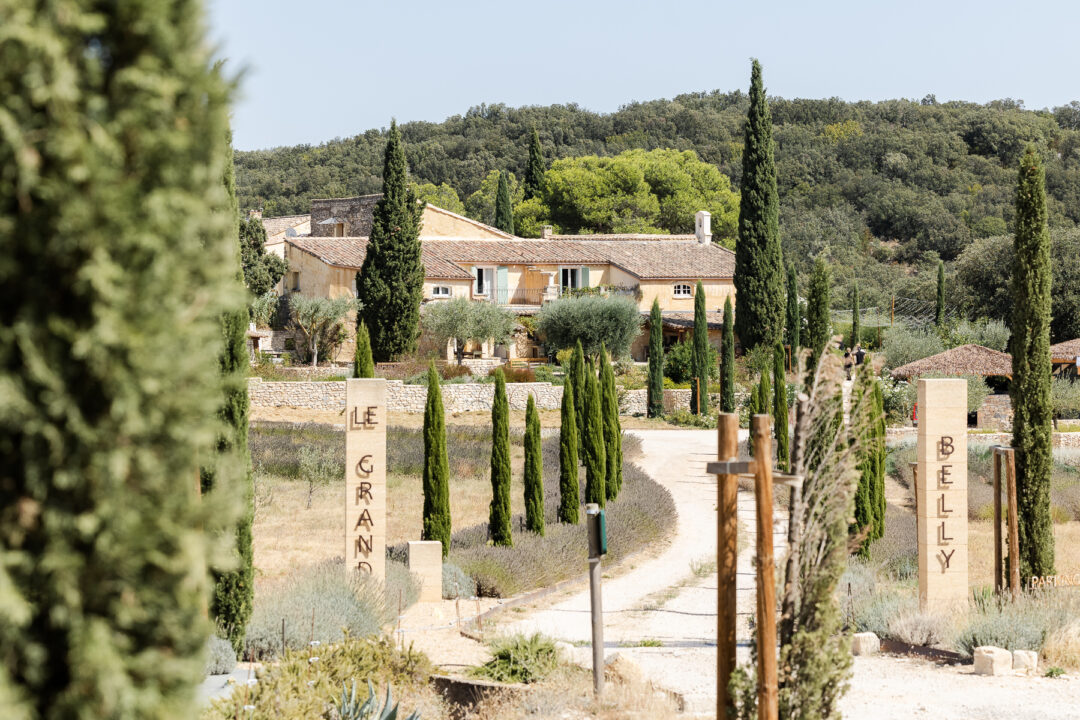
(941, 492)
(365, 476)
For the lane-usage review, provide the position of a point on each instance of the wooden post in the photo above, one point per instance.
(998, 570)
(1014, 530)
(766, 571)
(727, 487)
(915, 485)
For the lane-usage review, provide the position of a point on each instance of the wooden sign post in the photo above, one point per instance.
(941, 494)
(365, 476)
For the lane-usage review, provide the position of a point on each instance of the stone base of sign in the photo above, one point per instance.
(1025, 661)
(865, 643)
(993, 661)
(425, 562)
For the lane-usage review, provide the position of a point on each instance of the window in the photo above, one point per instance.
(683, 290)
(569, 278)
(484, 278)
(440, 291)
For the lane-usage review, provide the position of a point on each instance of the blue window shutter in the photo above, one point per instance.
(584, 277)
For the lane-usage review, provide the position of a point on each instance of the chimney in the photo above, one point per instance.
(702, 226)
(254, 214)
(546, 232)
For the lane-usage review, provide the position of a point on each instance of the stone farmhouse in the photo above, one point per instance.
(466, 258)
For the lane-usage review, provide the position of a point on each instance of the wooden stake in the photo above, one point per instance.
(915, 485)
(1014, 530)
(998, 570)
(766, 571)
(727, 551)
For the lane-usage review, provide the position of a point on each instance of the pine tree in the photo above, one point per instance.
(119, 251)
(577, 365)
(534, 170)
(504, 212)
(363, 365)
(854, 315)
(780, 407)
(656, 362)
(939, 313)
(794, 317)
(818, 325)
(609, 400)
(699, 395)
(436, 475)
(534, 471)
(759, 282)
(595, 452)
(1030, 389)
(391, 279)
(499, 517)
(569, 483)
(234, 588)
(727, 360)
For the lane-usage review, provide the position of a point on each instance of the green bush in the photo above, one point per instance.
(1065, 398)
(546, 373)
(993, 334)
(685, 418)
(220, 656)
(520, 659)
(456, 583)
(678, 362)
(613, 322)
(902, 345)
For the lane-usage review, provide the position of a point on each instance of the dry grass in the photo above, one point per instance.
(548, 418)
(981, 552)
(1062, 647)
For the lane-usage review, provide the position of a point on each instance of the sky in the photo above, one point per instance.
(313, 70)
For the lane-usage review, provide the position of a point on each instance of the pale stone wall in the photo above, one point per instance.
(437, 223)
(996, 413)
(716, 291)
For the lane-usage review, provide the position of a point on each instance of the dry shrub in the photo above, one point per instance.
(1021, 624)
(1062, 646)
(918, 628)
(515, 374)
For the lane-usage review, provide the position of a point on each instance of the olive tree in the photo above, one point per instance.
(612, 322)
(318, 319)
(463, 320)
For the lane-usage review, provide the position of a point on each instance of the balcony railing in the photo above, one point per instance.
(537, 296)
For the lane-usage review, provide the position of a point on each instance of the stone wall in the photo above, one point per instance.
(996, 413)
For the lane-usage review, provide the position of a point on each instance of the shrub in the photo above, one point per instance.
(318, 466)
(220, 656)
(1065, 398)
(902, 345)
(685, 418)
(545, 373)
(520, 659)
(354, 707)
(918, 628)
(564, 356)
(456, 583)
(679, 362)
(514, 374)
(993, 334)
(613, 322)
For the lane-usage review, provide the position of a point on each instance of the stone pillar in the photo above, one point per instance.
(941, 456)
(425, 561)
(365, 476)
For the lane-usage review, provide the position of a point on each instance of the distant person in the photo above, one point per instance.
(860, 354)
(848, 362)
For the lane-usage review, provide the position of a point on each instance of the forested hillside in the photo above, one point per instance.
(883, 188)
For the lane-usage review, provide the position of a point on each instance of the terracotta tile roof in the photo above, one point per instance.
(624, 236)
(714, 319)
(963, 360)
(349, 252)
(1066, 351)
(276, 225)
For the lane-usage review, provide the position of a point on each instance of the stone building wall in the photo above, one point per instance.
(995, 413)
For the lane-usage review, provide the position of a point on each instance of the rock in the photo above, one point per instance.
(1025, 661)
(991, 660)
(565, 650)
(865, 643)
(621, 667)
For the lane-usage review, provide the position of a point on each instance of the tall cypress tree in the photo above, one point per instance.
(593, 440)
(727, 360)
(855, 330)
(780, 407)
(580, 394)
(534, 471)
(656, 362)
(504, 212)
(363, 365)
(794, 317)
(499, 515)
(759, 282)
(110, 344)
(818, 325)
(391, 279)
(939, 311)
(534, 170)
(699, 396)
(569, 490)
(881, 453)
(436, 475)
(234, 588)
(609, 400)
(1030, 389)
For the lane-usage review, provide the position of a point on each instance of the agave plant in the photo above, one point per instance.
(350, 706)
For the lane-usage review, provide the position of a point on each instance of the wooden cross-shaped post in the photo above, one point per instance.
(1009, 456)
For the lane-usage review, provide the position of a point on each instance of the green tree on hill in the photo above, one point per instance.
(595, 451)
(727, 360)
(818, 325)
(1030, 388)
(436, 474)
(504, 212)
(391, 279)
(699, 386)
(534, 471)
(939, 310)
(780, 408)
(569, 490)
(499, 516)
(534, 171)
(759, 284)
(794, 317)
(656, 362)
(262, 270)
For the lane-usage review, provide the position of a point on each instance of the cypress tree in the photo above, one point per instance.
(609, 400)
(727, 360)
(881, 455)
(534, 471)
(110, 348)
(569, 483)
(580, 394)
(504, 212)
(391, 279)
(780, 407)
(699, 395)
(794, 317)
(818, 326)
(499, 516)
(363, 365)
(593, 440)
(656, 362)
(1030, 389)
(436, 475)
(854, 315)
(534, 170)
(939, 312)
(759, 282)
